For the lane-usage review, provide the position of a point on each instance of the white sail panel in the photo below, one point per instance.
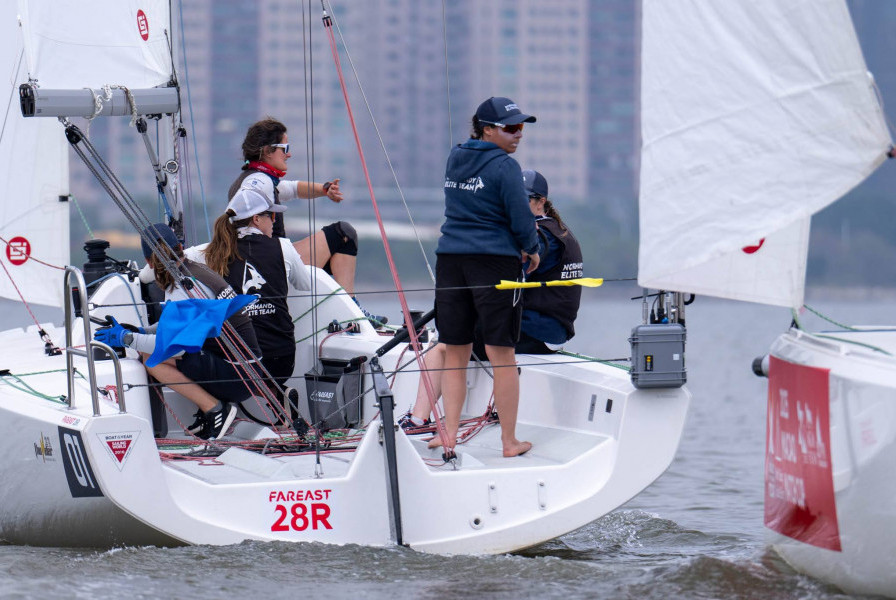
(772, 270)
(34, 223)
(71, 44)
(754, 116)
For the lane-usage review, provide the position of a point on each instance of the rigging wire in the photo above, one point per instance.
(447, 77)
(448, 447)
(308, 80)
(183, 45)
(380, 138)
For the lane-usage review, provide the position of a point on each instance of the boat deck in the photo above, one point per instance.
(551, 446)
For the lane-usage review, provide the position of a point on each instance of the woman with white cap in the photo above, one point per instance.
(244, 251)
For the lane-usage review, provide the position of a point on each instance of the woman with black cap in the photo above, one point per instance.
(549, 312)
(208, 378)
(488, 232)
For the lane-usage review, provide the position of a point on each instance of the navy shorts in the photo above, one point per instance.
(465, 294)
(215, 375)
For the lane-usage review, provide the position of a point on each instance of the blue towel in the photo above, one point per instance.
(186, 324)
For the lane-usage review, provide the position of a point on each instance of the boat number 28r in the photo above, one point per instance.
(301, 516)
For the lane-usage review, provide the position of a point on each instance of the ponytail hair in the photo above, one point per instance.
(223, 248)
(550, 211)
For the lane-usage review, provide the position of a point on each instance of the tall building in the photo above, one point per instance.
(423, 72)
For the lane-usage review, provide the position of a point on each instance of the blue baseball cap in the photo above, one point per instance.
(535, 183)
(159, 231)
(504, 111)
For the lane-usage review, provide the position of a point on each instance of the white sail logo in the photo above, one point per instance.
(254, 279)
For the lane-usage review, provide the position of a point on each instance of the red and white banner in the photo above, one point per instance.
(799, 485)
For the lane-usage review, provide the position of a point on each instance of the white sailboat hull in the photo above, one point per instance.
(861, 404)
(597, 443)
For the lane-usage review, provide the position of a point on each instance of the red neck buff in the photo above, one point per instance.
(266, 168)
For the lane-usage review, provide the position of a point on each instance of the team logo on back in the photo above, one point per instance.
(252, 279)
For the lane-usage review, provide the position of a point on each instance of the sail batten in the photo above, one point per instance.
(754, 116)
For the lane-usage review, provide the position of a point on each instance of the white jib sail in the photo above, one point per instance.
(754, 116)
(72, 44)
(34, 218)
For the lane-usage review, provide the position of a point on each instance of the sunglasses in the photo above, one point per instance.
(284, 146)
(511, 129)
(535, 197)
(266, 213)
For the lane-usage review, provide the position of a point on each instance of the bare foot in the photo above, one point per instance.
(434, 443)
(516, 448)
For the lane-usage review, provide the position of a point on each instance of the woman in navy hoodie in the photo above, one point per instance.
(488, 233)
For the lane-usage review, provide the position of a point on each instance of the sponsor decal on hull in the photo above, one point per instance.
(119, 445)
(43, 450)
(81, 480)
(799, 482)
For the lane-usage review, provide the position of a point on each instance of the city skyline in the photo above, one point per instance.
(570, 62)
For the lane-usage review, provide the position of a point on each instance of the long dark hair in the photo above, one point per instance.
(223, 248)
(164, 279)
(261, 135)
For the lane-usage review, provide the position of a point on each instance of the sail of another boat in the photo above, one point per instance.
(754, 116)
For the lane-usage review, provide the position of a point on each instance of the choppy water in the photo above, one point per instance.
(696, 533)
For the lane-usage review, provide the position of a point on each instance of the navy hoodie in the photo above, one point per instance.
(486, 206)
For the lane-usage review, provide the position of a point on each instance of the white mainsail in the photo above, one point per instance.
(69, 45)
(754, 116)
(34, 217)
(72, 44)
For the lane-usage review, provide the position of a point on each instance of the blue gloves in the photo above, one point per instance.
(114, 335)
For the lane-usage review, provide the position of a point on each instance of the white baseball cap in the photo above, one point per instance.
(248, 203)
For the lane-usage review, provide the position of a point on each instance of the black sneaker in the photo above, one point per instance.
(198, 423)
(217, 422)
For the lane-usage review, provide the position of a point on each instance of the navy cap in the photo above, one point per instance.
(535, 183)
(502, 110)
(156, 232)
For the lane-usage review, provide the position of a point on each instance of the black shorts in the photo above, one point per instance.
(465, 295)
(215, 375)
